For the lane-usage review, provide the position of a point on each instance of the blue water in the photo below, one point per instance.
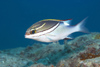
(17, 15)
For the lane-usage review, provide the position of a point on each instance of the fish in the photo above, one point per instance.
(52, 30)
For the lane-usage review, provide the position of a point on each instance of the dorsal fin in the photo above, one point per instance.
(65, 20)
(55, 20)
(51, 20)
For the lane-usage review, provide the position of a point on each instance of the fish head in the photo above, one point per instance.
(40, 28)
(30, 33)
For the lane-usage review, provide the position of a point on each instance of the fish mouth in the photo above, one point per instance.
(27, 36)
(27, 33)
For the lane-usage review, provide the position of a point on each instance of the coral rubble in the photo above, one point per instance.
(83, 51)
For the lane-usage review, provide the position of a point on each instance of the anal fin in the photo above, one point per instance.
(67, 38)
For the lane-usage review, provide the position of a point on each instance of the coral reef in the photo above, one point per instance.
(83, 51)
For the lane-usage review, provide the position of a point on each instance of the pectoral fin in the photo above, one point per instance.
(49, 35)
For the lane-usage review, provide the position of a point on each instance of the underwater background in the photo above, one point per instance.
(18, 15)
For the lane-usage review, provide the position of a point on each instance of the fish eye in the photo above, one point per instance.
(33, 32)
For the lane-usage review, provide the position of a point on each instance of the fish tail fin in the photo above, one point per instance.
(80, 26)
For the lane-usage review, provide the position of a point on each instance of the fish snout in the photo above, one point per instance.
(27, 33)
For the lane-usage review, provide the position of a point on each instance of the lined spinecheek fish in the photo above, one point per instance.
(51, 30)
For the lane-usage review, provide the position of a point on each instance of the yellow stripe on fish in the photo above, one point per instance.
(40, 26)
